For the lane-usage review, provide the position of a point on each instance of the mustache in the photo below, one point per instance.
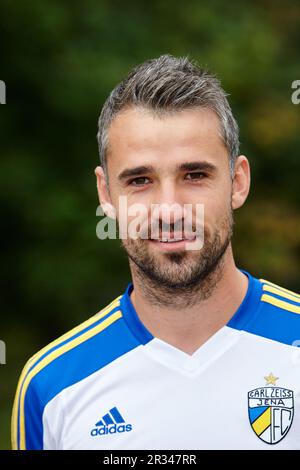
(179, 227)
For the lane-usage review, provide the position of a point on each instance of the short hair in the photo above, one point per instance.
(168, 84)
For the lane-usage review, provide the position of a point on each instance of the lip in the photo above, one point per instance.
(174, 236)
(171, 246)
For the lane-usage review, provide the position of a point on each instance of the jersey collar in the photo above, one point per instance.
(221, 341)
(240, 319)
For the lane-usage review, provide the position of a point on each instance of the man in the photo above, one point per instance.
(196, 353)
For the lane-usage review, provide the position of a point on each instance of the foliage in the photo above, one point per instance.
(59, 60)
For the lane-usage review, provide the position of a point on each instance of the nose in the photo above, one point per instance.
(168, 202)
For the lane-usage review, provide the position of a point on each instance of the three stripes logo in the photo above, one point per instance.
(111, 423)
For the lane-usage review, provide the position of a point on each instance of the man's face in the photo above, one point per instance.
(175, 159)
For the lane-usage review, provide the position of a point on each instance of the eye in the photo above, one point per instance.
(139, 181)
(195, 176)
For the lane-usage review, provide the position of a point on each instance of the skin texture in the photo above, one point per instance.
(182, 296)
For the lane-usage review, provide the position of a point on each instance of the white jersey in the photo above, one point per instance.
(109, 384)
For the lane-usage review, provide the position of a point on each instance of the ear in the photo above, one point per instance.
(240, 182)
(103, 193)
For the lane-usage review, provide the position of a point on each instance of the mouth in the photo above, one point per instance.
(172, 243)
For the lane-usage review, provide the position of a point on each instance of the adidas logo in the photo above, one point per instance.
(111, 423)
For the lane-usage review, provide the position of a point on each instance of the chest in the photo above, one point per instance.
(246, 398)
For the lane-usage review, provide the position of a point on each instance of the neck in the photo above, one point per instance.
(187, 319)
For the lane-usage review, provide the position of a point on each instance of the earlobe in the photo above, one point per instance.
(241, 182)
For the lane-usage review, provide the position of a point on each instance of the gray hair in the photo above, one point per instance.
(167, 84)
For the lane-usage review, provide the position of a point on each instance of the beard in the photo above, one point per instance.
(181, 278)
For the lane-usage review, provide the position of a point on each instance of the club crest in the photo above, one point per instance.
(271, 411)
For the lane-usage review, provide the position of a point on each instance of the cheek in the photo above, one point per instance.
(215, 210)
(134, 221)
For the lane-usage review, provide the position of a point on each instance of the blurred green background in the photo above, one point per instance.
(60, 59)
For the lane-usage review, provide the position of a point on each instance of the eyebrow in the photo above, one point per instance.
(138, 170)
(199, 166)
(187, 166)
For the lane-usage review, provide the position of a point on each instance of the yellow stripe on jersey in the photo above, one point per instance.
(262, 422)
(285, 295)
(280, 303)
(14, 424)
(282, 289)
(54, 355)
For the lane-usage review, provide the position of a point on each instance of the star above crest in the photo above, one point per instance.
(271, 379)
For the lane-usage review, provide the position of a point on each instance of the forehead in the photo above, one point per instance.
(138, 133)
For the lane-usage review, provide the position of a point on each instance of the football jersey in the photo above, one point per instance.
(110, 384)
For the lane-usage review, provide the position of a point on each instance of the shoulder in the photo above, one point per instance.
(278, 316)
(65, 361)
(79, 339)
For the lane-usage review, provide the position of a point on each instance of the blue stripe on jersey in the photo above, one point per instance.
(248, 308)
(276, 324)
(264, 319)
(131, 317)
(74, 336)
(68, 369)
(35, 363)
